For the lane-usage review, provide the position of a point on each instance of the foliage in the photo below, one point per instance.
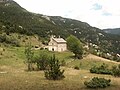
(42, 60)
(4, 38)
(103, 69)
(74, 45)
(29, 55)
(116, 71)
(54, 72)
(98, 83)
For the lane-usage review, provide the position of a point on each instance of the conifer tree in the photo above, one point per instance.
(54, 72)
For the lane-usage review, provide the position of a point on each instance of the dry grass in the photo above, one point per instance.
(91, 57)
(22, 80)
(14, 77)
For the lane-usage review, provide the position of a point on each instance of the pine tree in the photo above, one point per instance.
(54, 72)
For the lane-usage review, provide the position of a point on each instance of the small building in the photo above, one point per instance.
(57, 44)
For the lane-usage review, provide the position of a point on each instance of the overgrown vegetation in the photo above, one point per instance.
(98, 83)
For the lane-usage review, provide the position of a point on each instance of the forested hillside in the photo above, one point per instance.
(15, 19)
(113, 31)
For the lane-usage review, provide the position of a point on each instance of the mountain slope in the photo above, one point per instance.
(113, 31)
(93, 36)
(15, 19)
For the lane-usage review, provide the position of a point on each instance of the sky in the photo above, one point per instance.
(98, 13)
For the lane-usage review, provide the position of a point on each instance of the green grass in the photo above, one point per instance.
(87, 64)
(13, 74)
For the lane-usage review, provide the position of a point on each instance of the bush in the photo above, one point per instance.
(42, 60)
(103, 69)
(29, 56)
(98, 83)
(4, 38)
(53, 72)
(76, 67)
(116, 71)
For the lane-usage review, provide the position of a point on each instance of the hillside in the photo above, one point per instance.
(15, 19)
(94, 37)
(13, 74)
(18, 27)
(113, 31)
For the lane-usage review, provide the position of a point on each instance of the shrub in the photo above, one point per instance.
(103, 69)
(98, 83)
(54, 72)
(29, 56)
(116, 71)
(4, 38)
(76, 67)
(42, 60)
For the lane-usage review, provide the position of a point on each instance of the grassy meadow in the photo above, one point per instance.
(13, 74)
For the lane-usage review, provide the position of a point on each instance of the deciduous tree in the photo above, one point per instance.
(75, 46)
(29, 55)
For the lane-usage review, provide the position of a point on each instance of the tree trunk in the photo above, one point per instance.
(30, 67)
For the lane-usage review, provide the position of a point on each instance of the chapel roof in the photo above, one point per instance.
(59, 40)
